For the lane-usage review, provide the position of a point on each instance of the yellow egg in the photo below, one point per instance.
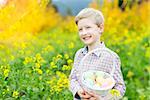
(99, 81)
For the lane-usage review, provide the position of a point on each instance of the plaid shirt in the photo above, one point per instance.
(75, 76)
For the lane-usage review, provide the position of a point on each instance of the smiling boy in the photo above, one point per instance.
(90, 23)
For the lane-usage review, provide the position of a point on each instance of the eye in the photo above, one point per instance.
(80, 29)
(87, 27)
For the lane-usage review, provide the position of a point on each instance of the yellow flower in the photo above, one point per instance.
(23, 45)
(66, 56)
(114, 92)
(69, 61)
(118, 50)
(52, 64)
(130, 74)
(65, 67)
(38, 56)
(71, 45)
(59, 56)
(15, 94)
(58, 73)
(27, 60)
(6, 72)
(49, 48)
(1, 46)
(12, 57)
(58, 83)
(39, 71)
(37, 65)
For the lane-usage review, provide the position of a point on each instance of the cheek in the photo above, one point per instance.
(95, 37)
(80, 35)
(93, 31)
(95, 34)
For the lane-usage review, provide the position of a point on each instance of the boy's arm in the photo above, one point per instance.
(120, 85)
(74, 85)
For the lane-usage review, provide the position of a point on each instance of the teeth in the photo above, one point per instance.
(87, 37)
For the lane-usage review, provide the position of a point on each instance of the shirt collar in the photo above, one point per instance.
(85, 49)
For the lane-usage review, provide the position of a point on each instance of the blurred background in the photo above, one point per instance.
(38, 40)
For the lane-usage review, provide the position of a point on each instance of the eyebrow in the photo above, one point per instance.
(87, 26)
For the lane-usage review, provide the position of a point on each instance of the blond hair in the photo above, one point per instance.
(90, 13)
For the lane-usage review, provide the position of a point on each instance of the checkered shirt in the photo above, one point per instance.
(77, 70)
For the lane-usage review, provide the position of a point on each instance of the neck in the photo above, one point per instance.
(93, 46)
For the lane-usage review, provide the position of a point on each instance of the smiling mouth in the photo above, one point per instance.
(86, 38)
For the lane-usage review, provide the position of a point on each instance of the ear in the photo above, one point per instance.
(101, 27)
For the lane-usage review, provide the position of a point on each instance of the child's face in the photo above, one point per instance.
(89, 32)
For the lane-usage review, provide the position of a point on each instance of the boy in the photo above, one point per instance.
(90, 24)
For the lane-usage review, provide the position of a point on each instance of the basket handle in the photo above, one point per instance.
(102, 49)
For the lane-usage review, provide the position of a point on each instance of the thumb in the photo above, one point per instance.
(82, 91)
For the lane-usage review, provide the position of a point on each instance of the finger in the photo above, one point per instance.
(91, 93)
(94, 95)
(85, 96)
(84, 99)
(92, 98)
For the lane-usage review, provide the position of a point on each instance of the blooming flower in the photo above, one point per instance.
(6, 72)
(130, 74)
(114, 92)
(39, 71)
(71, 45)
(66, 56)
(69, 61)
(15, 94)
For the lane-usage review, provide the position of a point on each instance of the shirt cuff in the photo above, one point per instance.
(77, 96)
(75, 90)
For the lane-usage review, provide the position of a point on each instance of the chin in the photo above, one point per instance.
(87, 42)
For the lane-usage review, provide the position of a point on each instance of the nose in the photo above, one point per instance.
(83, 32)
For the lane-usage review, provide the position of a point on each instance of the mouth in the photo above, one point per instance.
(86, 37)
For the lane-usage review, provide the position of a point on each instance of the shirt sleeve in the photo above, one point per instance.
(74, 85)
(120, 85)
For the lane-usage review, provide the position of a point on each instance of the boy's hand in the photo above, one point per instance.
(83, 94)
(94, 96)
